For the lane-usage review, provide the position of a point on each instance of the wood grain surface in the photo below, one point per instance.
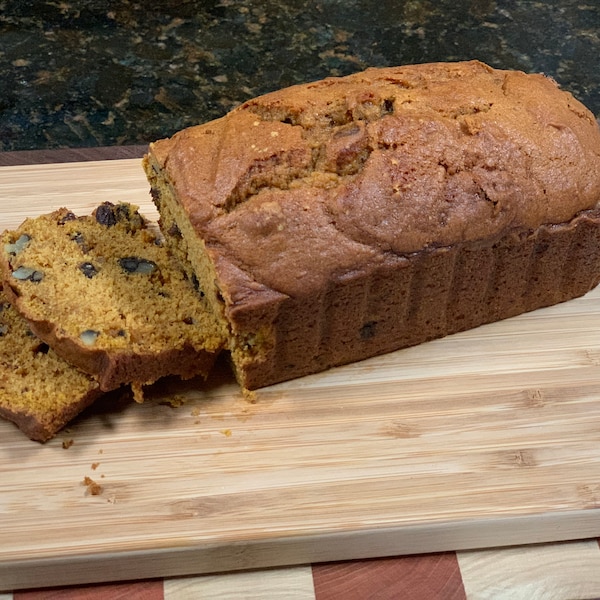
(486, 437)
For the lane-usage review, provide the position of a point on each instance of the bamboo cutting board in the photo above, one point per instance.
(490, 437)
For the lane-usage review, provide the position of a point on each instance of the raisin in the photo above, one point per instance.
(88, 269)
(105, 214)
(134, 264)
(174, 231)
(69, 216)
(367, 331)
(41, 348)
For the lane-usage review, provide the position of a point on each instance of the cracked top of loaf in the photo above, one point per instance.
(318, 181)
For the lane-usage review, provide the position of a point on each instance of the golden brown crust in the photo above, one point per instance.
(454, 148)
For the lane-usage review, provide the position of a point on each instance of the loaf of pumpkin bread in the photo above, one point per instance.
(337, 220)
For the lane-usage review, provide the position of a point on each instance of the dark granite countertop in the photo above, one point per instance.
(106, 73)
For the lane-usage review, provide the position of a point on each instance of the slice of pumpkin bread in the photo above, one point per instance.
(39, 391)
(106, 294)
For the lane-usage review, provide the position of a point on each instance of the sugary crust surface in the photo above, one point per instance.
(353, 216)
(304, 185)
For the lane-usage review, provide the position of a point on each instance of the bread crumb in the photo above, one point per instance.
(67, 444)
(226, 432)
(250, 396)
(174, 401)
(93, 488)
(138, 392)
(95, 466)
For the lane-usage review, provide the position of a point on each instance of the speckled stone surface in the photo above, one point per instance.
(104, 73)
